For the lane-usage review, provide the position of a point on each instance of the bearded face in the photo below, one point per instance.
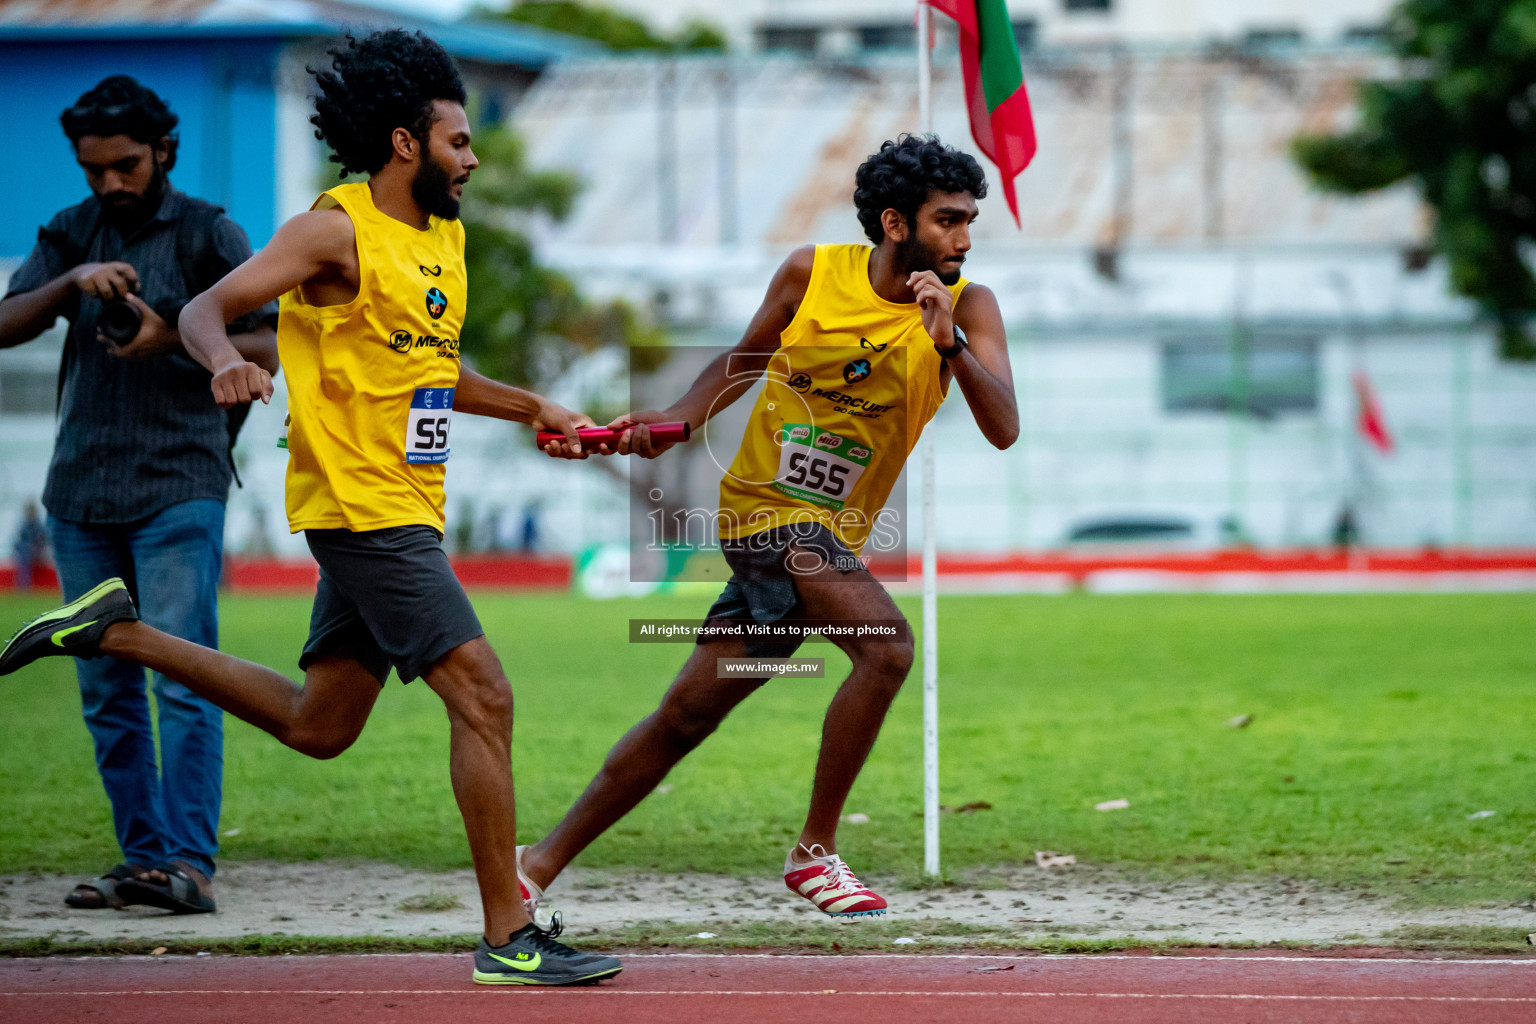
(432, 188)
(916, 256)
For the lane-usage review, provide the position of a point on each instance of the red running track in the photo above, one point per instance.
(876, 989)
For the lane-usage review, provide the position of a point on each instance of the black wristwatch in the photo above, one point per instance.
(956, 348)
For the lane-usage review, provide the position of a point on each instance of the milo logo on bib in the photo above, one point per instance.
(831, 442)
(818, 466)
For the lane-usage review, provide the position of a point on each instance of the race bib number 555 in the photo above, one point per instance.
(426, 428)
(819, 466)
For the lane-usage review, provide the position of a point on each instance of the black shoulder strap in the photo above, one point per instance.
(194, 240)
(75, 252)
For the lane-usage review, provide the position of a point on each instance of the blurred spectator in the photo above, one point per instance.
(530, 538)
(30, 548)
(1346, 532)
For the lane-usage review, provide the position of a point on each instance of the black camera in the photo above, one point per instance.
(119, 321)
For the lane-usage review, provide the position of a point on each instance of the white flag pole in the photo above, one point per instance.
(930, 546)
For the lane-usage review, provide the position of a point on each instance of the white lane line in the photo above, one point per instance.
(1027, 957)
(1371, 961)
(487, 990)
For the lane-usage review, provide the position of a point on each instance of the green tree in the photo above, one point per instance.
(1461, 125)
(524, 322)
(614, 29)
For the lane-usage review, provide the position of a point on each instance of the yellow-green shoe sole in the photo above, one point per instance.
(507, 979)
(66, 610)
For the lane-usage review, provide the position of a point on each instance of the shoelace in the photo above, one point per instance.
(544, 940)
(843, 877)
(556, 926)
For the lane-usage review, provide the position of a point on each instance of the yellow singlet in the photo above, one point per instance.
(370, 382)
(848, 393)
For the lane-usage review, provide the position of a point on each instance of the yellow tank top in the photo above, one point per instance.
(370, 382)
(854, 382)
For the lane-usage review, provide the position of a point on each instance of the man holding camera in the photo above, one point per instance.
(141, 470)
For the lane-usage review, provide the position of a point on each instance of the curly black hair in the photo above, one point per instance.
(384, 81)
(120, 105)
(904, 173)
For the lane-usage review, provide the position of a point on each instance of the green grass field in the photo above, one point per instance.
(1379, 724)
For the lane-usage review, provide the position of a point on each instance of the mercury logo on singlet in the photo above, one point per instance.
(852, 404)
(405, 341)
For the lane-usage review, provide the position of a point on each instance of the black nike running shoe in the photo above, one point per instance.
(533, 957)
(74, 629)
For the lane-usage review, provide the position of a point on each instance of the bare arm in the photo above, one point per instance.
(982, 370)
(479, 395)
(259, 347)
(25, 316)
(733, 373)
(157, 337)
(319, 244)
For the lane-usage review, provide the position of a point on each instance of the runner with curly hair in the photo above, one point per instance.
(859, 345)
(372, 282)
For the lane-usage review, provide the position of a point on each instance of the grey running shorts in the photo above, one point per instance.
(386, 597)
(762, 584)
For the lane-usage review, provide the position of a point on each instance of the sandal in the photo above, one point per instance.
(102, 894)
(179, 893)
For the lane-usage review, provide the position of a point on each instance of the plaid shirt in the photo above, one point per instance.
(135, 436)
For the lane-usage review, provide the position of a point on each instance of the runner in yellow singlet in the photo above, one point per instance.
(373, 284)
(859, 345)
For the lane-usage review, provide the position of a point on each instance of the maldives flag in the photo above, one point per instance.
(994, 88)
(1372, 423)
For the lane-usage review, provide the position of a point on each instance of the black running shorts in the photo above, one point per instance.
(762, 584)
(386, 597)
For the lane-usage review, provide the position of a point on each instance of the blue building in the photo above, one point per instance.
(239, 87)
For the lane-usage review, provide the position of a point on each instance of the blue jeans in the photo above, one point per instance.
(171, 563)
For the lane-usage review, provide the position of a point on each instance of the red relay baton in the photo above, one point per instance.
(591, 437)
